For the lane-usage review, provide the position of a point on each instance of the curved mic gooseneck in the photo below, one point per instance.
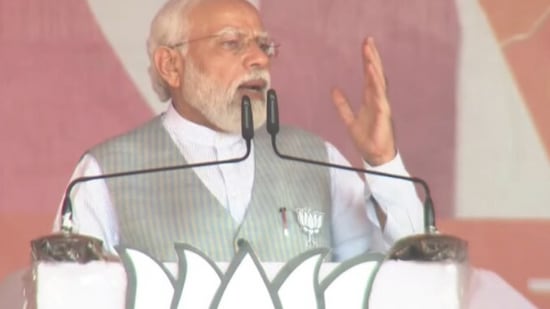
(273, 128)
(247, 130)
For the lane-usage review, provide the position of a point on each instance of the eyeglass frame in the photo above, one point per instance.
(243, 39)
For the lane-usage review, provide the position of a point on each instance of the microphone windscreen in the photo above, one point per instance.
(247, 121)
(272, 113)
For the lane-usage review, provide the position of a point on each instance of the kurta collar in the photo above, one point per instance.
(188, 131)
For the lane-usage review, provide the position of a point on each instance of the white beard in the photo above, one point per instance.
(222, 107)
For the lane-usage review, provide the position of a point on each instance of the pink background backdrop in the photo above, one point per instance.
(468, 81)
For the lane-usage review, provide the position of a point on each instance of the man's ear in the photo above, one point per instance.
(169, 65)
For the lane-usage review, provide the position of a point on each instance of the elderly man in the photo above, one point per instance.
(205, 56)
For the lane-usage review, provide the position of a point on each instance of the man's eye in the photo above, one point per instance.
(233, 44)
(266, 47)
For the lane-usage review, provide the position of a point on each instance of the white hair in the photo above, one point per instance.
(169, 27)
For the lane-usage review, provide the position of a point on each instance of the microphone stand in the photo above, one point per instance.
(430, 246)
(69, 246)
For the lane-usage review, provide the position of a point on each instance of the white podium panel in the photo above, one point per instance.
(304, 282)
(368, 281)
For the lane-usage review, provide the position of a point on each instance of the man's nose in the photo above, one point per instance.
(255, 57)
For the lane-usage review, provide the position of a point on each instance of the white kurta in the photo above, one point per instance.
(354, 223)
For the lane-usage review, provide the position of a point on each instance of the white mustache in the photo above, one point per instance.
(254, 75)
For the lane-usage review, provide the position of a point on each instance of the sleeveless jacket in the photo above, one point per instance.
(156, 210)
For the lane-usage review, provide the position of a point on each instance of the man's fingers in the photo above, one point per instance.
(378, 84)
(367, 57)
(373, 84)
(374, 93)
(343, 106)
(376, 56)
(371, 55)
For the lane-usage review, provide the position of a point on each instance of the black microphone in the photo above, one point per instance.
(247, 130)
(273, 128)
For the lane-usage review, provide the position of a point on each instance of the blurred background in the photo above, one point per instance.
(469, 83)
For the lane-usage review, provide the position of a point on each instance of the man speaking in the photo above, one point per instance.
(206, 55)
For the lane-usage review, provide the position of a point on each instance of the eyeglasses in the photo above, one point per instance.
(237, 42)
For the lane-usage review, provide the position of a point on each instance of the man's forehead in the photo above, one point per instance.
(239, 31)
(214, 16)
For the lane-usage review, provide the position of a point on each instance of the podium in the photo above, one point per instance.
(304, 282)
(138, 281)
(195, 281)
